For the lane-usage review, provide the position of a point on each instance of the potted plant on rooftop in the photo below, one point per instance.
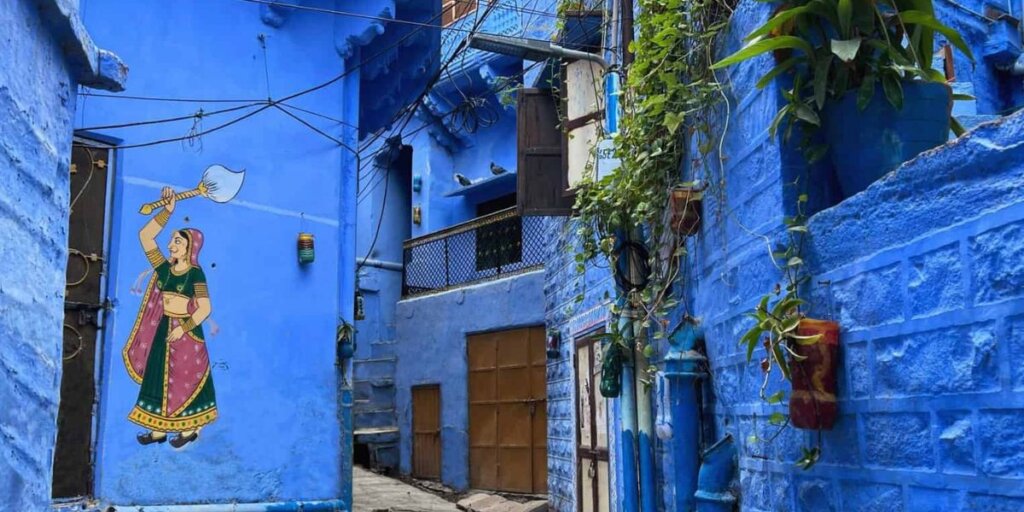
(861, 72)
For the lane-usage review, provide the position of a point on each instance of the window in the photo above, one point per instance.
(455, 10)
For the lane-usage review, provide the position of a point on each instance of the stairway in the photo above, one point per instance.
(376, 425)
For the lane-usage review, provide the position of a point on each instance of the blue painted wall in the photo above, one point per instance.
(431, 349)
(42, 52)
(279, 435)
(922, 282)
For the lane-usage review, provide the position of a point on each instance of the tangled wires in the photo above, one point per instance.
(474, 113)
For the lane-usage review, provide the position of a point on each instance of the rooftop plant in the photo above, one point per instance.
(832, 47)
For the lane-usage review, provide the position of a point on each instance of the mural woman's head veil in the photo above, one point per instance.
(194, 238)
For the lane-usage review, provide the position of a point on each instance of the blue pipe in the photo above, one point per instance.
(645, 429)
(716, 475)
(627, 406)
(683, 371)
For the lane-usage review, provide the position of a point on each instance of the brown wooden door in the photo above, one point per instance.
(592, 429)
(426, 429)
(508, 411)
(83, 305)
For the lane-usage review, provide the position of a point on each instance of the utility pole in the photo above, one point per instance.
(627, 33)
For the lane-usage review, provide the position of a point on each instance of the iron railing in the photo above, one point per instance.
(489, 247)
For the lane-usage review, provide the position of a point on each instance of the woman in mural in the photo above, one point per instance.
(166, 351)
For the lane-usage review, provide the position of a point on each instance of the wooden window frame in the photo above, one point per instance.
(450, 8)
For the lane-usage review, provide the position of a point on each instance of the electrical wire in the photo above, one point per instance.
(167, 99)
(198, 114)
(411, 112)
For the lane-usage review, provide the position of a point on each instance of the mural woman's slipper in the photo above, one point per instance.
(149, 438)
(181, 439)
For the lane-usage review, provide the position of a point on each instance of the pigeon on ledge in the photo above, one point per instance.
(497, 169)
(462, 180)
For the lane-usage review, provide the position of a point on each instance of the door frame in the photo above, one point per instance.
(589, 338)
(107, 265)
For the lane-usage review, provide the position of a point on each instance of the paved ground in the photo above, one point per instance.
(373, 492)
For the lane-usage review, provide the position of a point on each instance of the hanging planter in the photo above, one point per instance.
(686, 210)
(812, 404)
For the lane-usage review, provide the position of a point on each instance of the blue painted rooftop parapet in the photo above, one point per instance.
(91, 66)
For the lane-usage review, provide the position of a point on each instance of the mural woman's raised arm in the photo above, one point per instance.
(148, 233)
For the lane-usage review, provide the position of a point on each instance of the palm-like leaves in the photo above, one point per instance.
(835, 46)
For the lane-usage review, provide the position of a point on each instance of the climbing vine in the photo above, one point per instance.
(669, 100)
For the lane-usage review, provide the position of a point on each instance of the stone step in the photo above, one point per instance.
(380, 368)
(381, 349)
(379, 392)
(373, 419)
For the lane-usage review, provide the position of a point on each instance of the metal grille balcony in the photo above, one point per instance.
(489, 247)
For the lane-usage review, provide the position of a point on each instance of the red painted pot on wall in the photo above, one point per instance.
(812, 405)
(686, 210)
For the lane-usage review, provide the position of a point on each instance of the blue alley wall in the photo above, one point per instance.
(442, 144)
(38, 81)
(279, 435)
(432, 334)
(922, 282)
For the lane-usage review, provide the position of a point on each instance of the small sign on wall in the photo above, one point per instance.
(607, 162)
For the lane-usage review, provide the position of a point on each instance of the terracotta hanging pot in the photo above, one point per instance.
(812, 405)
(686, 210)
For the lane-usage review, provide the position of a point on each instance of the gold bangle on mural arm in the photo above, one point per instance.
(155, 257)
(188, 325)
(162, 217)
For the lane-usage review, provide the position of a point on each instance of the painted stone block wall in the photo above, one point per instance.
(922, 280)
(431, 349)
(279, 435)
(37, 94)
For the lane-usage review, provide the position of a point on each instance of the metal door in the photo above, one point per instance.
(426, 431)
(508, 410)
(592, 429)
(83, 305)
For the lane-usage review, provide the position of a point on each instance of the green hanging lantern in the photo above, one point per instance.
(611, 371)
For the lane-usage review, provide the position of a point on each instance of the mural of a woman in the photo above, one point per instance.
(166, 350)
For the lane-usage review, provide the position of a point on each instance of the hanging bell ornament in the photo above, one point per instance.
(306, 250)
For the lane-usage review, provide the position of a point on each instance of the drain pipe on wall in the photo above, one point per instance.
(715, 477)
(645, 423)
(683, 371)
(627, 406)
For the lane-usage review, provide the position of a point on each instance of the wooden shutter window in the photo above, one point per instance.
(541, 173)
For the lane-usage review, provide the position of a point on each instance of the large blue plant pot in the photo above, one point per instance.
(865, 145)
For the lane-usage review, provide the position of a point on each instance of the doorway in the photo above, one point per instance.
(84, 306)
(508, 410)
(592, 428)
(426, 432)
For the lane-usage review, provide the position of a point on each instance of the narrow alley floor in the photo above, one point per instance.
(373, 492)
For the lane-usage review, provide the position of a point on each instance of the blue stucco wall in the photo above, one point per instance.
(279, 435)
(37, 94)
(431, 349)
(46, 53)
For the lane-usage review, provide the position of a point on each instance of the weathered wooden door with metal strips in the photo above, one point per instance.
(508, 410)
(592, 429)
(426, 427)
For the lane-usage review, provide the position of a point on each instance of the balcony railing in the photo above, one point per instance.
(489, 247)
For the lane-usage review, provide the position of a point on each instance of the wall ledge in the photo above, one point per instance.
(950, 184)
(90, 66)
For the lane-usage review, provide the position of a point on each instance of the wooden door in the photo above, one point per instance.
(83, 306)
(426, 431)
(592, 428)
(508, 411)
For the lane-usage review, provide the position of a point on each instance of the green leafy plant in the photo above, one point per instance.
(777, 318)
(833, 47)
(668, 99)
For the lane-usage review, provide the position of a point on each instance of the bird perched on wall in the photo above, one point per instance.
(497, 169)
(462, 180)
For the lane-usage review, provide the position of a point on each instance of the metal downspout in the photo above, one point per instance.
(683, 371)
(716, 474)
(630, 482)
